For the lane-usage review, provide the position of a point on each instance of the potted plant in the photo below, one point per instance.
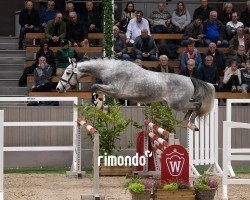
(205, 188)
(140, 189)
(110, 126)
(174, 191)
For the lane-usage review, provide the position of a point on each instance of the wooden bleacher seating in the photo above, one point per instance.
(34, 49)
(230, 95)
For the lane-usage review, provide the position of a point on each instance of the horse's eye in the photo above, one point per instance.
(68, 73)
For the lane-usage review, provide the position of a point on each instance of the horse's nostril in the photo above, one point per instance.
(57, 89)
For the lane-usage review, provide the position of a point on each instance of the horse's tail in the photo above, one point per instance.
(204, 93)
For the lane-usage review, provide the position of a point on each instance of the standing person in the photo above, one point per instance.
(42, 75)
(232, 78)
(245, 77)
(29, 22)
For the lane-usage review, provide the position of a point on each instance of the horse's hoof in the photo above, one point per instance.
(192, 126)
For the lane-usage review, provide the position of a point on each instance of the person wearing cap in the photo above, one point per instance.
(194, 32)
(63, 56)
(55, 30)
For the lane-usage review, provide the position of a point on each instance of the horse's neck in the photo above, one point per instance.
(94, 68)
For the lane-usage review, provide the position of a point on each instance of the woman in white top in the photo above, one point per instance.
(180, 18)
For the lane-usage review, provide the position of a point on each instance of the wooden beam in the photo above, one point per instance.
(71, 93)
(55, 79)
(158, 36)
(230, 95)
(34, 49)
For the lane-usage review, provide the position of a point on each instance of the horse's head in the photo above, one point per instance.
(69, 79)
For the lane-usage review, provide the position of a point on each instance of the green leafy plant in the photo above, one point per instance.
(204, 183)
(161, 115)
(136, 187)
(170, 187)
(109, 125)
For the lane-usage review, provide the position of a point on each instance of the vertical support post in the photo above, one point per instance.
(76, 158)
(1, 152)
(225, 160)
(96, 167)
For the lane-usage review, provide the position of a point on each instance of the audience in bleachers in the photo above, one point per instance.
(63, 56)
(127, 14)
(29, 21)
(245, 78)
(135, 26)
(240, 57)
(160, 20)
(191, 53)
(239, 39)
(214, 31)
(231, 26)
(42, 75)
(55, 30)
(245, 17)
(120, 46)
(194, 32)
(163, 66)
(232, 78)
(47, 14)
(203, 11)
(144, 46)
(219, 60)
(225, 15)
(180, 18)
(69, 8)
(191, 70)
(77, 32)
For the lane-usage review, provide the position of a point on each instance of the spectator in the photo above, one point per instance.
(69, 8)
(42, 75)
(48, 13)
(161, 20)
(120, 47)
(204, 11)
(77, 32)
(92, 18)
(63, 56)
(232, 78)
(180, 18)
(245, 77)
(214, 31)
(194, 32)
(226, 15)
(190, 53)
(219, 60)
(164, 65)
(245, 17)
(55, 30)
(127, 15)
(240, 57)
(191, 70)
(29, 21)
(144, 46)
(50, 59)
(210, 73)
(231, 27)
(239, 39)
(135, 26)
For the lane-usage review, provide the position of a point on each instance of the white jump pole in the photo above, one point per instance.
(1, 152)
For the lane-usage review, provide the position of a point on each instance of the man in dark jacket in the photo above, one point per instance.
(144, 46)
(77, 32)
(164, 65)
(204, 11)
(240, 57)
(226, 15)
(191, 70)
(245, 17)
(29, 21)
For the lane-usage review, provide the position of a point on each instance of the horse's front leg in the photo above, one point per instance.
(107, 89)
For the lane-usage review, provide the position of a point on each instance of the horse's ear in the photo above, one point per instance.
(70, 61)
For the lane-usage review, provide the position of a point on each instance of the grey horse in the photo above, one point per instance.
(126, 80)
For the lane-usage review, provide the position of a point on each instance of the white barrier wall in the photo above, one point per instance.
(1, 152)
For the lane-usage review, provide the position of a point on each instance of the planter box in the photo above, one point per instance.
(115, 171)
(205, 194)
(174, 195)
(141, 196)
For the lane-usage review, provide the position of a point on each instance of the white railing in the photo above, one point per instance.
(203, 145)
(1, 152)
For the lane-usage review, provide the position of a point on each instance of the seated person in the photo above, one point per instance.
(210, 73)
(50, 59)
(231, 27)
(77, 32)
(214, 31)
(161, 20)
(240, 57)
(226, 15)
(245, 17)
(180, 18)
(69, 8)
(239, 39)
(29, 21)
(48, 13)
(164, 65)
(203, 11)
(120, 47)
(144, 47)
(191, 53)
(194, 32)
(63, 56)
(219, 60)
(232, 78)
(55, 30)
(42, 75)
(191, 70)
(245, 77)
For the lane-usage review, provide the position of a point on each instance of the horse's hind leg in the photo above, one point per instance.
(107, 89)
(191, 123)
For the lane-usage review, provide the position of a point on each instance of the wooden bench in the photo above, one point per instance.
(230, 95)
(225, 50)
